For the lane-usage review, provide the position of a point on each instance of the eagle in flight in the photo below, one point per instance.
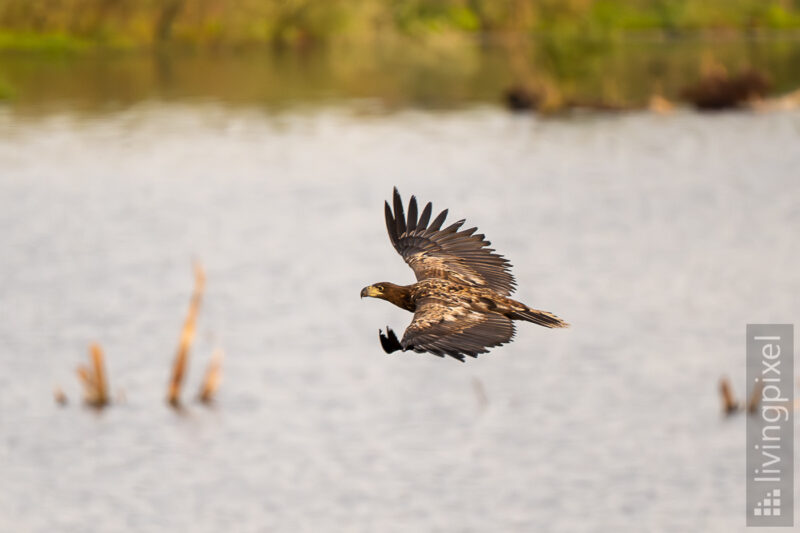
(460, 301)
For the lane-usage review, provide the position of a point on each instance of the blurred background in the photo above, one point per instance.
(636, 161)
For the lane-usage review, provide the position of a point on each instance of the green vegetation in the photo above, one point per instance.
(619, 72)
(42, 42)
(70, 25)
(6, 91)
(430, 53)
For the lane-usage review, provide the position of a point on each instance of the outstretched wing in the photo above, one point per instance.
(441, 328)
(447, 253)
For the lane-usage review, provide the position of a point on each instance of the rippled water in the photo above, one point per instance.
(658, 238)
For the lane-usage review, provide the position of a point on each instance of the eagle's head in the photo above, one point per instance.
(397, 294)
(377, 290)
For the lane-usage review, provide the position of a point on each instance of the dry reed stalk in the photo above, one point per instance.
(86, 378)
(59, 396)
(729, 404)
(99, 374)
(755, 398)
(95, 384)
(213, 377)
(187, 336)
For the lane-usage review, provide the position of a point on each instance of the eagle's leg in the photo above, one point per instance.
(389, 341)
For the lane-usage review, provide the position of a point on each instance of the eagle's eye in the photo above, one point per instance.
(379, 287)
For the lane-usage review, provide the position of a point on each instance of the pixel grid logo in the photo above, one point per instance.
(770, 505)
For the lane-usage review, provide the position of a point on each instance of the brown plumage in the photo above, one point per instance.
(461, 301)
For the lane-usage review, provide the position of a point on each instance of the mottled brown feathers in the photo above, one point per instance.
(447, 253)
(443, 329)
(461, 299)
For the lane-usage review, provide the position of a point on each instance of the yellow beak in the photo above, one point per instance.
(370, 291)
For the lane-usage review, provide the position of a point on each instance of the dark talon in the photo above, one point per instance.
(389, 341)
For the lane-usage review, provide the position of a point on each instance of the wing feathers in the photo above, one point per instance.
(390, 224)
(440, 328)
(426, 216)
(399, 215)
(412, 215)
(437, 223)
(451, 253)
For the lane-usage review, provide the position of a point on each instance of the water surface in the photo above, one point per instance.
(657, 237)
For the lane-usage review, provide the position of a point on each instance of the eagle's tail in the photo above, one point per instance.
(543, 318)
